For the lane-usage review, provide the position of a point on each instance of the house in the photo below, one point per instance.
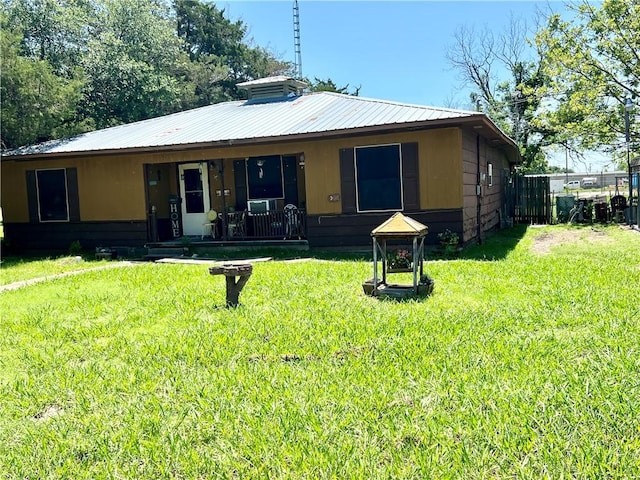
(343, 164)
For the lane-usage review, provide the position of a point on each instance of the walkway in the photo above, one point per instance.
(32, 281)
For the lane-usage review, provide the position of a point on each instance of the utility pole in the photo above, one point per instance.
(628, 106)
(566, 164)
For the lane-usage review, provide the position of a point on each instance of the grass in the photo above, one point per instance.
(520, 365)
(16, 269)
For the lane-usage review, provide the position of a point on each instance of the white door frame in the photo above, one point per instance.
(192, 220)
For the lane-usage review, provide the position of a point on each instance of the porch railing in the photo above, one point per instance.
(275, 224)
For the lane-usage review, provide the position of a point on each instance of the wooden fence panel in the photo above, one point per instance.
(528, 199)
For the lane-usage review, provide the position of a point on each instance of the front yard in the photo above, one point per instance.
(523, 363)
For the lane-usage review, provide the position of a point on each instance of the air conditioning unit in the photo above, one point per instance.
(260, 206)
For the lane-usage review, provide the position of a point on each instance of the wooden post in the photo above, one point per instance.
(234, 286)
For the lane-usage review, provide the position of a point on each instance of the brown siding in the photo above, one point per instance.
(355, 230)
(492, 197)
(59, 236)
(469, 165)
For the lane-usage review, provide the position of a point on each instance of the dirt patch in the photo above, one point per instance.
(48, 412)
(543, 243)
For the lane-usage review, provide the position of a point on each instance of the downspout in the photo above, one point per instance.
(478, 193)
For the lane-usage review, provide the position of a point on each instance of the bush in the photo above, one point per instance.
(75, 248)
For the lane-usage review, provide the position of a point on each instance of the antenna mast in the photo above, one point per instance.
(296, 40)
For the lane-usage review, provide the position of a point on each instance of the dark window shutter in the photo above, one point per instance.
(410, 179)
(72, 195)
(347, 180)
(290, 164)
(240, 180)
(32, 196)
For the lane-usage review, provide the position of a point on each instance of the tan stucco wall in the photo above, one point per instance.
(119, 198)
(13, 184)
(111, 187)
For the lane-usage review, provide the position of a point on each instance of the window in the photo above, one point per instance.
(51, 188)
(264, 177)
(193, 190)
(490, 174)
(378, 172)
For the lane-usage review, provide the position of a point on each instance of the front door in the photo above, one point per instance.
(194, 190)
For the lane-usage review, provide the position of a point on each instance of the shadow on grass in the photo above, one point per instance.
(496, 246)
(12, 259)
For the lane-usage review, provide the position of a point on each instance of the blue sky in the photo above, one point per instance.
(392, 50)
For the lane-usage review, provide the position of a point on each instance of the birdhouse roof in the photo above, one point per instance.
(398, 225)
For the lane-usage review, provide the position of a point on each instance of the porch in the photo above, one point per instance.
(285, 225)
(190, 246)
(251, 198)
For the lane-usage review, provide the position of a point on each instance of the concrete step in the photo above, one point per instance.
(154, 253)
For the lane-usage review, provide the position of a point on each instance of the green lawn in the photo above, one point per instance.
(16, 269)
(524, 363)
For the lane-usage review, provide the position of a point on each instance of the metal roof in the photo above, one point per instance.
(315, 114)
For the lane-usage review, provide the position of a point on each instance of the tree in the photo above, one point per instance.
(220, 55)
(482, 59)
(132, 64)
(53, 30)
(37, 104)
(328, 85)
(593, 60)
(70, 66)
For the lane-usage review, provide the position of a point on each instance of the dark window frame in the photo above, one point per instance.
(39, 196)
(358, 199)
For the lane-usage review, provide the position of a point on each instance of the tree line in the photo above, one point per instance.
(564, 83)
(70, 66)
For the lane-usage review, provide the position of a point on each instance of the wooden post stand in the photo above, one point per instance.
(234, 287)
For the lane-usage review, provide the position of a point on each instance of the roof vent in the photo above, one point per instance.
(271, 88)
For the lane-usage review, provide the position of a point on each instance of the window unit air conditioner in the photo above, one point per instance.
(258, 206)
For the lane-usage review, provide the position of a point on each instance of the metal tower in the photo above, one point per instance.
(296, 40)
